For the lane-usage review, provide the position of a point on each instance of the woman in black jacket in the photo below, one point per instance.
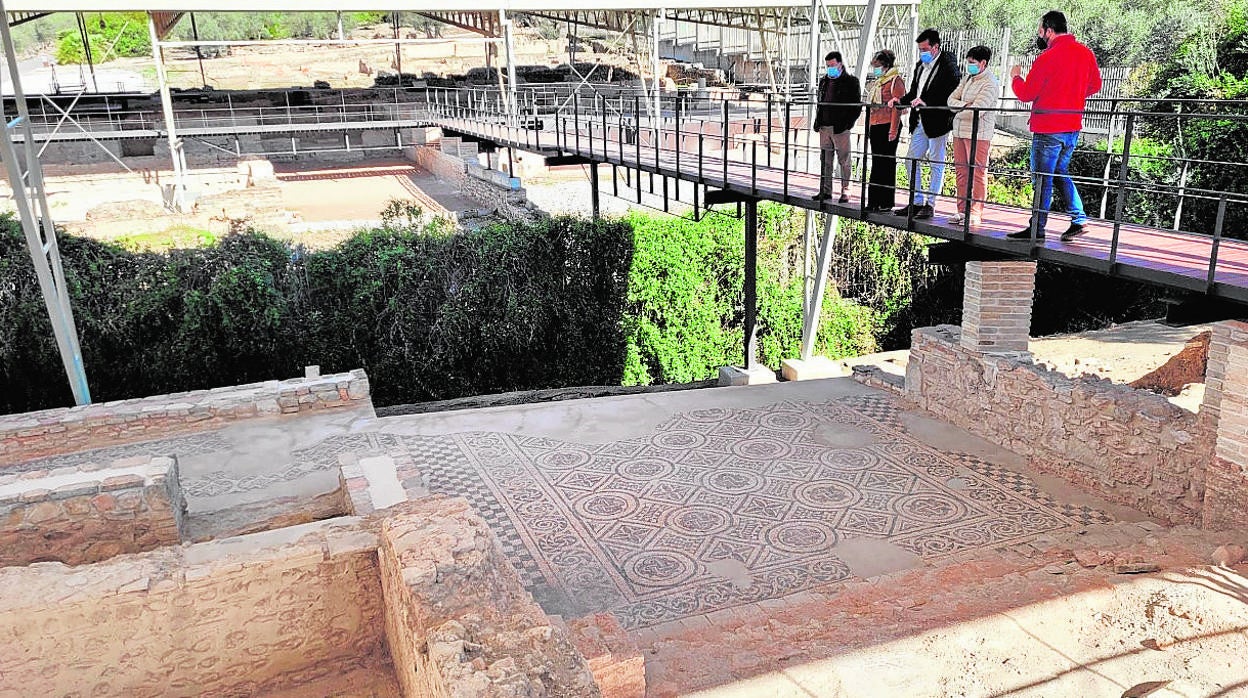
(840, 105)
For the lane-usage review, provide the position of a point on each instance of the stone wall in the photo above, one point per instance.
(456, 162)
(1226, 404)
(90, 513)
(1127, 446)
(32, 435)
(240, 616)
(458, 621)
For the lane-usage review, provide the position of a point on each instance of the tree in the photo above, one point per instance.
(1212, 64)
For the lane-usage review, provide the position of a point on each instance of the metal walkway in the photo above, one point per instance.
(764, 160)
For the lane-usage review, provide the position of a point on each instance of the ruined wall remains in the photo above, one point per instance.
(1127, 446)
(1226, 405)
(34, 435)
(90, 513)
(239, 616)
(457, 616)
(456, 162)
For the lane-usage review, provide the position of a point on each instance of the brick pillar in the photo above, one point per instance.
(1226, 407)
(996, 306)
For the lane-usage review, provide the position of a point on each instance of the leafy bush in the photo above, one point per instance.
(112, 35)
(1210, 65)
(686, 307)
(430, 313)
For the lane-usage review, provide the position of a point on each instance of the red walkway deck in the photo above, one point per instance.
(1176, 259)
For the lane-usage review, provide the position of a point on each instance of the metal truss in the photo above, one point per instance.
(483, 23)
(16, 18)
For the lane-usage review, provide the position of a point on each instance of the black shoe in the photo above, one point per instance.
(904, 211)
(820, 197)
(1025, 234)
(1074, 231)
(844, 199)
(879, 209)
(924, 212)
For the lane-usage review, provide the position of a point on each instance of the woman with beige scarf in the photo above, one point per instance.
(883, 131)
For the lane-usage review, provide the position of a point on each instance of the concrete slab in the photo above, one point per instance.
(868, 557)
(736, 375)
(816, 367)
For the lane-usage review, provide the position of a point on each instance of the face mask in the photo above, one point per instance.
(1042, 43)
(834, 73)
(877, 71)
(926, 56)
(972, 68)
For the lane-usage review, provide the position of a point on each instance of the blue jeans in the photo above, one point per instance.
(932, 150)
(1050, 161)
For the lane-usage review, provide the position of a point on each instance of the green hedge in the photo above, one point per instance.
(429, 313)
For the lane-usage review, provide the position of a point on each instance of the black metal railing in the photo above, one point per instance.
(1139, 181)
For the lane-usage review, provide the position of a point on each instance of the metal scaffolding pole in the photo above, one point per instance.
(812, 84)
(866, 39)
(656, 18)
(166, 105)
(510, 47)
(810, 328)
(33, 212)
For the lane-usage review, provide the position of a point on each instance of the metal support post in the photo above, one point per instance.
(34, 214)
(510, 48)
(866, 40)
(593, 190)
(751, 289)
(166, 105)
(814, 305)
(655, 19)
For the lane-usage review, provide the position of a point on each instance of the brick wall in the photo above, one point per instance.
(1127, 446)
(240, 616)
(1226, 405)
(90, 513)
(457, 615)
(32, 435)
(996, 306)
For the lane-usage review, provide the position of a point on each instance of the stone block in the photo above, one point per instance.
(813, 369)
(736, 375)
(617, 664)
(77, 515)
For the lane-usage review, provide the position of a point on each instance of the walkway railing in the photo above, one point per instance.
(1178, 216)
(1154, 207)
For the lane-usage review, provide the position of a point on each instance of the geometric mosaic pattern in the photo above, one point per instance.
(724, 507)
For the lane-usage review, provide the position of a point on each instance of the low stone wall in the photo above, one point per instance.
(1127, 446)
(455, 161)
(458, 621)
(32, 435)
(90, 513)
(878, 378)
(240, 616)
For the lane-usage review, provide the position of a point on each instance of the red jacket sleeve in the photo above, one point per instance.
(1094, 80)
(1027, 90)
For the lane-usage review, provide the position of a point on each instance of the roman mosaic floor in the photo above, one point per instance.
(667, 506)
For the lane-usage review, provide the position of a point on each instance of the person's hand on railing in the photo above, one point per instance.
(918, 102)
(1016, 71)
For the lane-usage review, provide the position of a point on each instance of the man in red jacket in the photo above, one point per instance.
(1064, 75)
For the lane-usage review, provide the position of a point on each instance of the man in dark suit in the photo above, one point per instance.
(936, 76)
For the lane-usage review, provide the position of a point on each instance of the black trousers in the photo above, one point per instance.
(883, 187)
